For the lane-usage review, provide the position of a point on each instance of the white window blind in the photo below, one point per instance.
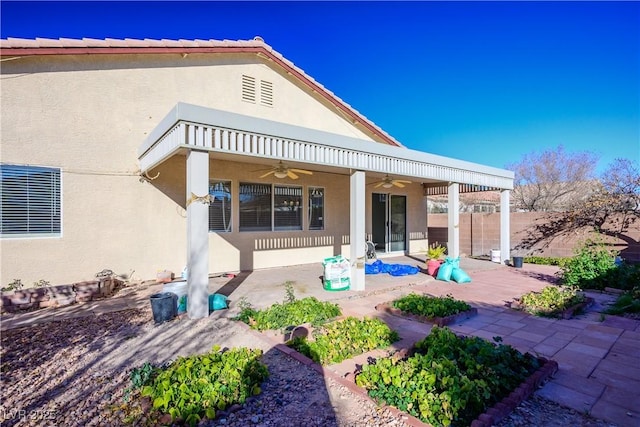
(30, 204)
(220, 206)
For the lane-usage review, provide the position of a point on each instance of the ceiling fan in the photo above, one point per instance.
(283, 171)
(388, 182)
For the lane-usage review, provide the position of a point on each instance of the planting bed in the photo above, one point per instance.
(566, 313)
(387, 307)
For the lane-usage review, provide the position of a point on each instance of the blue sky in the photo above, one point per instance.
(484, 82)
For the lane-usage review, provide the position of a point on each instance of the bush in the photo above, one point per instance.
(627, 303)
(540, 260)
(592, 261)
(624, 276)
(551, 300)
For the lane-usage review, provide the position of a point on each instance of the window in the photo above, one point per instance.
(287, 213)
(259, 211)
(255, 207)
(220, 206)
(316, 208)
(30, 204)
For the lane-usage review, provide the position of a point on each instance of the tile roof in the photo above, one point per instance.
(65, 46)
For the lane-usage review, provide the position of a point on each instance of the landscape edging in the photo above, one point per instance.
(387, 307)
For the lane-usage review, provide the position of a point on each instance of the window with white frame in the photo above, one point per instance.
(220, 206)
(316, 208)
(30, 201)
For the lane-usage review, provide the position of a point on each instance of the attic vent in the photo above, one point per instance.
(266, 93)
(248, 88)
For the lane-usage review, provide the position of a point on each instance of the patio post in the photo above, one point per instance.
(453, 215)
(197, 234)
(505, 227)
(357, 237)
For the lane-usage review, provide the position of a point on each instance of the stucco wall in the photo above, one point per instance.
(89, 114)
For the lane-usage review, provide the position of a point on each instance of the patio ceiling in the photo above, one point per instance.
(258, 140)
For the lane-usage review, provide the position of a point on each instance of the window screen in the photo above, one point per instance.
(220, 206)
(30, 203)
(255, 207)
(287, 212)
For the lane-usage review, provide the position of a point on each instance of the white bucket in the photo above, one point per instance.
(495, 255)
(179, 288)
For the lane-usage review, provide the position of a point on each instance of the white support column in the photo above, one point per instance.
(357, 211)
(505, 227)
(453, 235)
(197, 234)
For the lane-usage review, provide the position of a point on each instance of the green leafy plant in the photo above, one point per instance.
(289, 293)
(197, 386)
(449, 379)
(291, 312)
(560, 262)
(13, 286)
(429, 306)
(344, 339)
(592, 261)
(140, 376)
(436, 251)
(624, 276)
(627, 304)
(41, 283)
(551, 300)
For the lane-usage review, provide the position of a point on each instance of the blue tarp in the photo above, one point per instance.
(392, 269)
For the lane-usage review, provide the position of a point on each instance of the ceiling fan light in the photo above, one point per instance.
(280, 174)
(387, 185)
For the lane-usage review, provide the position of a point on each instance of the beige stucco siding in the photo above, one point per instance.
(89, 114)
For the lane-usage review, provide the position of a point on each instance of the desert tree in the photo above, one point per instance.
(552, 180)
(616, 198)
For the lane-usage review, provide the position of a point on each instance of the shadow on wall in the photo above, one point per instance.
(553, 234)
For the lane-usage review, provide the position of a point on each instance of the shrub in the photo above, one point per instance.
(560, 262)
(627, 303)
(345, 339)
(551, 300)
(592, 261)
(624, 276)
(429, 306)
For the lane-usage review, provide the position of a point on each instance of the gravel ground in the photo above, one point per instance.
(75, 373)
